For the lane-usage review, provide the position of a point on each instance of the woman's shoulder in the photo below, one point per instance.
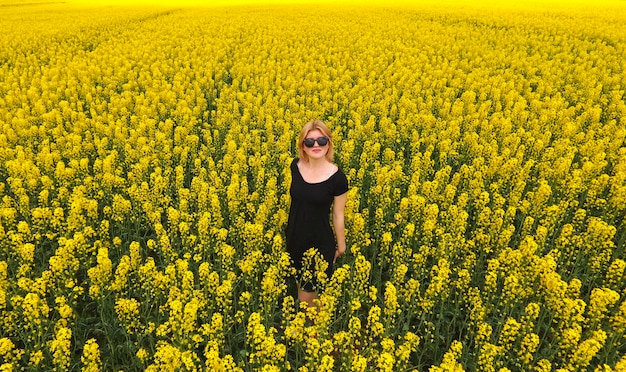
(339, 173)
(340, 181)
(338, 168)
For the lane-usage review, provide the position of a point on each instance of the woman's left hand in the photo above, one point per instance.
(338, 253)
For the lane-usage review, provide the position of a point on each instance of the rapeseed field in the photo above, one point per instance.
(144, 177)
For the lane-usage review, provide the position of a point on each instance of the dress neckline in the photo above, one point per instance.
(335, 171)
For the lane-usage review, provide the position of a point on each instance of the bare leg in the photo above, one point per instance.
(307, 297)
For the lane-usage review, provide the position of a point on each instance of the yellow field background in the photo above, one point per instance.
(144, 178)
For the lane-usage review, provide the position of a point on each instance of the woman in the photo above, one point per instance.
(316, 185)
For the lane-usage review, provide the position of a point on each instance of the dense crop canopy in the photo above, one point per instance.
(144, 176)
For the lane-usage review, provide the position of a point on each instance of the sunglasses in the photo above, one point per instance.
(310, 142)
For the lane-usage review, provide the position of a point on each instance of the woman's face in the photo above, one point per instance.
(317, 151)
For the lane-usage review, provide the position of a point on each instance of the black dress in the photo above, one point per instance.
(309, 217)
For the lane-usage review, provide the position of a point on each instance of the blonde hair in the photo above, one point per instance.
(313, 125)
